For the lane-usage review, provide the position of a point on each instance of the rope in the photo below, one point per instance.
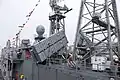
(23, 25)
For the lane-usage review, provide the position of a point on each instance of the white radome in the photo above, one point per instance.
(40, 30)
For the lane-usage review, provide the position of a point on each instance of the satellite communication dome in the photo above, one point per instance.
(40, 30)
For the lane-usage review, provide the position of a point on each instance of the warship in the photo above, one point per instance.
(95, 54)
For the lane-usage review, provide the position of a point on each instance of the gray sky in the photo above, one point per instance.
(13, 13)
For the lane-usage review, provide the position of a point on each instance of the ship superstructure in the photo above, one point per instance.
(90, 58)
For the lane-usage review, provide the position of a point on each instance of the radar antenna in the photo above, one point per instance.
(57, 16)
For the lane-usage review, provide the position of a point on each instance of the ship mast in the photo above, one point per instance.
(57, 16)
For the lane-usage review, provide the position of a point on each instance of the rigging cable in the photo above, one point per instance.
(23, 25)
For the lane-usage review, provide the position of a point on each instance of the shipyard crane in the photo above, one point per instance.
(98, 31)
(98, 27)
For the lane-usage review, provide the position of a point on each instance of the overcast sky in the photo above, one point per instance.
(13, 14)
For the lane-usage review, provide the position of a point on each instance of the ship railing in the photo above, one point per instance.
(112, 70)
(75, 71)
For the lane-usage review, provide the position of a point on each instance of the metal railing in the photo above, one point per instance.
(113, 71)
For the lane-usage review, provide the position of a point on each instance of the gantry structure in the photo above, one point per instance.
(98, 30)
